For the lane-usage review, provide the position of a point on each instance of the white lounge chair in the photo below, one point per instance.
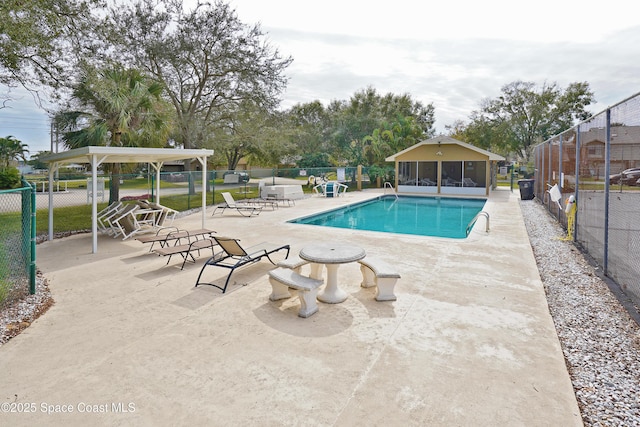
(244, 209)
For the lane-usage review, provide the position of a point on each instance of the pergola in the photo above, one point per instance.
(96, 156)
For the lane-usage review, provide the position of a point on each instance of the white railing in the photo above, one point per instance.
(41, 186)
(475, 218)
(388, 184)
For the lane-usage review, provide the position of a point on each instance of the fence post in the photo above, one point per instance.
(560, 178)
(607, 171)
(32, 266)
(577, 184)
(29, 201)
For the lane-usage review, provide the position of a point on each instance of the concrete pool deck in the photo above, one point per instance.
(469, 341)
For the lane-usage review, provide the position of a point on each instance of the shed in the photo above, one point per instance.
(445, 166)
(96, 156)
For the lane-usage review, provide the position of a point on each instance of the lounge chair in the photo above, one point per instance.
(277, 199)
(166, 236)
(244, 209)
(234, 256)
(187, 250)
(259, 201)
(468, 182)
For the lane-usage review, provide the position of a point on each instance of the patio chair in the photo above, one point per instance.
(330, 189)
(125, 223)
(103, 217)
(165, 217)
(340, 188)
(319, 189)
(234, 256)
(148, 214)
(244, 209)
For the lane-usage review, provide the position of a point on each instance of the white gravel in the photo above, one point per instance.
(599, 339)
(21, 313)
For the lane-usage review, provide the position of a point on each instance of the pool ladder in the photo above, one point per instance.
(475, 218)
(388, 184)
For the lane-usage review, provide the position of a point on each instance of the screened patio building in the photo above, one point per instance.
(445, 166)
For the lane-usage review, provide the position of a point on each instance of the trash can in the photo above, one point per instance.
(526, 189)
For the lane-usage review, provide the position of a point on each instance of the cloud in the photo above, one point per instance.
(454, 74)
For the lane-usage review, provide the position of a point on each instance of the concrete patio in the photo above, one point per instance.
(130, 341)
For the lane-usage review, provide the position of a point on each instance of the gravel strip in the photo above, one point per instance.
(21, 313)
(599, 338)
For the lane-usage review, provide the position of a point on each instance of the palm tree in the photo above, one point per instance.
(11, 149)
(117, 108)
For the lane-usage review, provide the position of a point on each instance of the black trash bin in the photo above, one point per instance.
(526, 189)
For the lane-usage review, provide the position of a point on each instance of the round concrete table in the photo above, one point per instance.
(331, 255)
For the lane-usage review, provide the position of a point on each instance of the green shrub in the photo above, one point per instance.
(9, 178)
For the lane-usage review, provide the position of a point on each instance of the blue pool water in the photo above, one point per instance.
(424, 216)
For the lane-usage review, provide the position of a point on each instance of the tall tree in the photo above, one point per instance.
(308, 127)
(208, 60)
(12, 149)
(354, 122)
(390, 138)
(251, 132)
(116, 107)
(35, 38)
(524, 115)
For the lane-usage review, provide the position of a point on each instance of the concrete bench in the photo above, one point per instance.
(294, 263)
(282, 279)
(376, 272)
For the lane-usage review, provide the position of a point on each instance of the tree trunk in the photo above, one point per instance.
(114, 187)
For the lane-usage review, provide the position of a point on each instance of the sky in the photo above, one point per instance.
(452, 54)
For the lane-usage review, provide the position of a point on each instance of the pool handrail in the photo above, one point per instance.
(475, 218)
(388, 184)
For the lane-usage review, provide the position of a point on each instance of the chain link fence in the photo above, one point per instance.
(598, 162)
(179, 190)
(17, 244)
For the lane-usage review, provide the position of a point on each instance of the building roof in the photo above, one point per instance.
(444, 140)
(124, 155)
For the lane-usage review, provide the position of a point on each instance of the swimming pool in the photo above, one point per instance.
(424, 216)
